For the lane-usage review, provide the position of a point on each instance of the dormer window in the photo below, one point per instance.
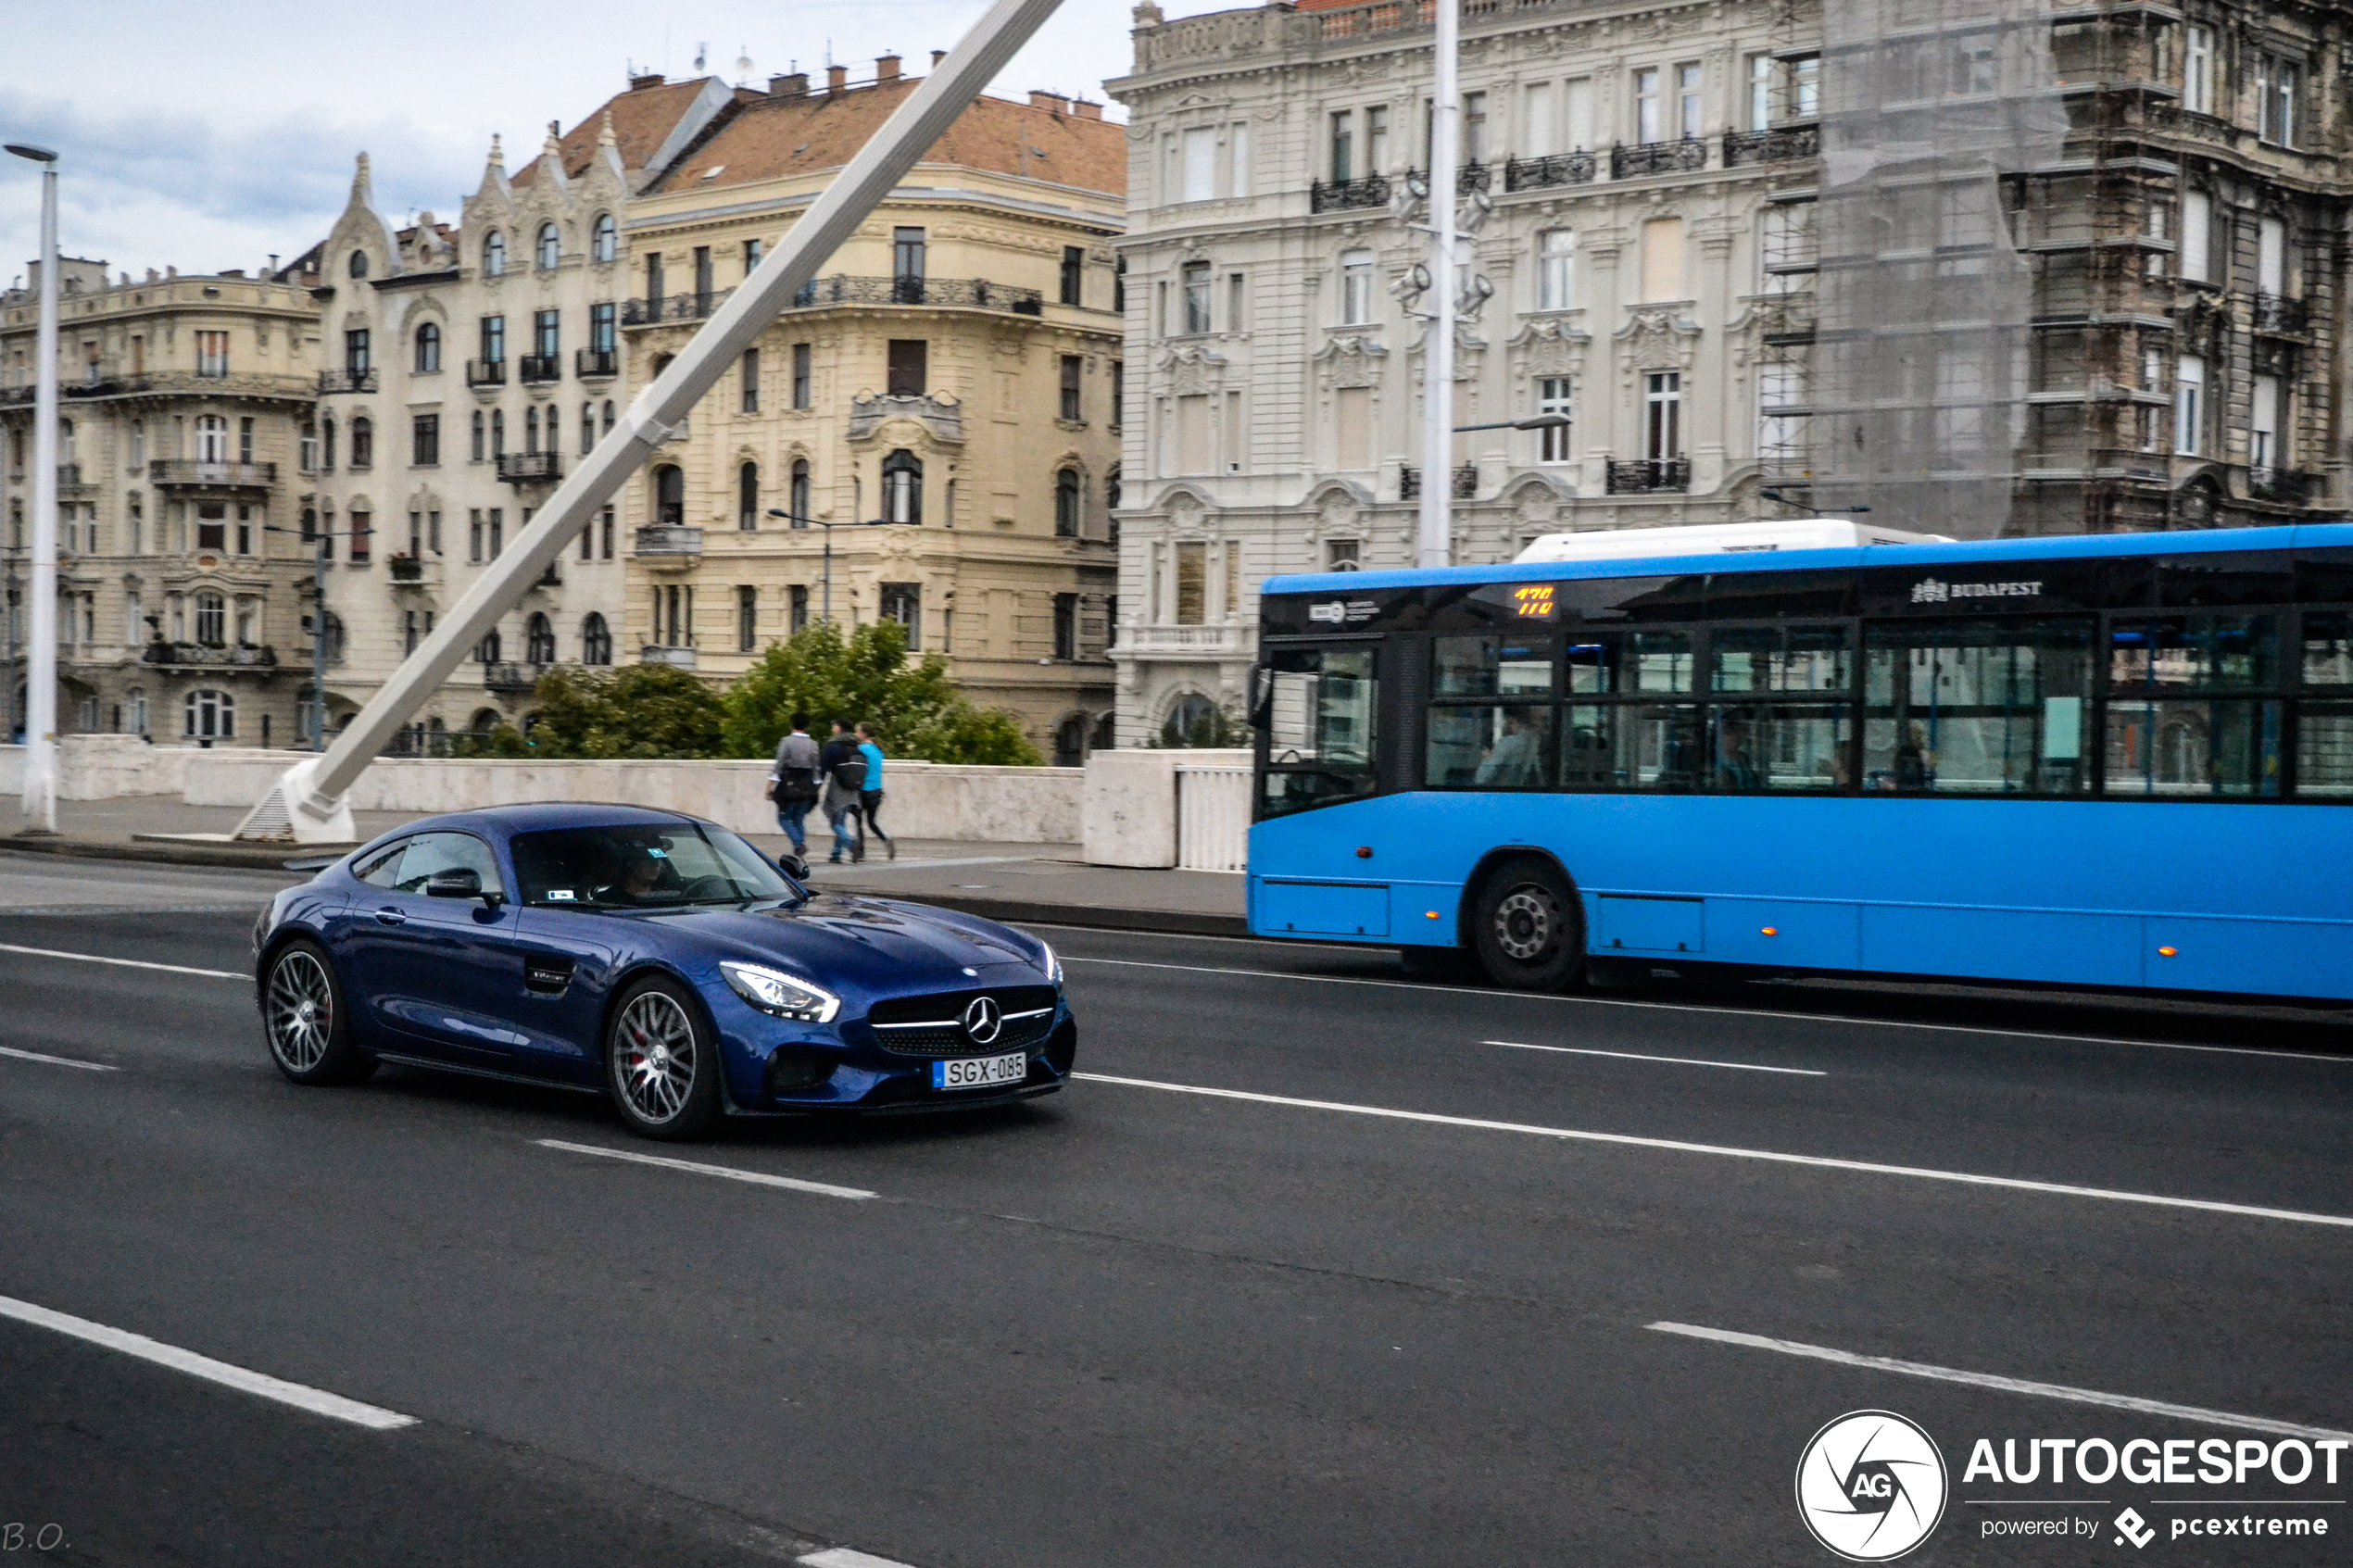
(358, 263)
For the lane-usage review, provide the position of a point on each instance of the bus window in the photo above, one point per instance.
(1977, 707)
(2162, 739)
(1319, 727)
(1489, 747)
(2325, 728)
(1776, 745)
(1664, 662)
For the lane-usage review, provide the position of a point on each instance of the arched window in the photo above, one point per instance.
(530, 430)
(497, 433)
(488, 650)
(358, 265)
(493, 255)
(363, 442)
(484, 721)
(1070, 742)
(596, 641)
(551, 247)
(326, 441)
(587, 428)
(607, 244)
(902, 478)
(1111, 489)
(747, 496)
(669, 496)
(609, 417)
(1193, 719)
(212, 619)
(428, 348)
(334, 638)
(539, 640)
(799, 503)
(481, 425)
(211, 716)
(1068, 502)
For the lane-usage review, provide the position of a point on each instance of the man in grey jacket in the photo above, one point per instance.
(797, 783)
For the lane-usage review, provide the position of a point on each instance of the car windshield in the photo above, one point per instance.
(644, 866)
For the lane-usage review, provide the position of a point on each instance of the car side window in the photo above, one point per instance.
(429, 853)
(384, 869)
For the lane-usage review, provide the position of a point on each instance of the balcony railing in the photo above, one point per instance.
(510, 677)
(302, 387)
(214, 656)
(540, 367)
(677, 658)
(346, 380)
(1646, 476)
(963, 293)
(1465, 483)
(2289, 487)
(1657, 157)
(1348, 195)
(1782, 144)
(590, 364)
(2286, 317)
(69, 476)
(672, 308)
(486, 373)
(220, 476)
(1183, 640)
(406, 569)
(669, 540)
(1560, 168)
(529, 467)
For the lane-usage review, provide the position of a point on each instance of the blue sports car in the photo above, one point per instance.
(656, 958)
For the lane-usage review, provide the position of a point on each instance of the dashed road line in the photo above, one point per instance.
(1677, 1060)
(124, 963)
(1965, 1178)
(696, 1167)
(57, 1061)
(2008, 1385)
(316, 1401)
(844, 1557)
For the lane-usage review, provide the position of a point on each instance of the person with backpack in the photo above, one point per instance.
(796, 786)
(870, 793)
(845, 772)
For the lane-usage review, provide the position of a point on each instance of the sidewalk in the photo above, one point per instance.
(1046, 884)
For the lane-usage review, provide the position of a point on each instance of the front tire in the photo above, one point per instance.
(305, 1021)
(1528, 926)
(661, 1062)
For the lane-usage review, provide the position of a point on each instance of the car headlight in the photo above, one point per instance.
(781, 994)
(1051, 964)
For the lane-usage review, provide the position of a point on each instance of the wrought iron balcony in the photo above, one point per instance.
(1560, 168)
(590, 364)
(689, 306)
(197, 473)
(964, 293)
(1657, 157)
(1646, 476)
(1465, 483)
(529, 467)
(510, 677)
(348, 379)
(669, 539)
(2281, 317)
(1347, 195)
(486, 373)
(540, 367)
(210, 656)
(70, 476)
(1782, 144)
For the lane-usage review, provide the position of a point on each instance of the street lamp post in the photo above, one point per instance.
(41, 681)
(1435, 542)
(828, 527)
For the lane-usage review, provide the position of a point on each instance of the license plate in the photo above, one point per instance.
(980, 1071)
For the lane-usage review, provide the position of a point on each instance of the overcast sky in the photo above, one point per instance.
(206, 138)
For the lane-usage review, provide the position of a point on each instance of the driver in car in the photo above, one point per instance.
(641, 875)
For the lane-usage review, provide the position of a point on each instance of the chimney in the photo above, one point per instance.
(836, 77)
(886, 69)
(1087, 108)
(938, 56)
(793, 87)
(1053, 103)
(639, 84)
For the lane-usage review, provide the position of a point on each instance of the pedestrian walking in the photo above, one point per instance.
(870, 794)
(797, 783)
(845, 778)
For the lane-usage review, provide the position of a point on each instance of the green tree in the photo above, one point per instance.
(916, 710)
(640, 710)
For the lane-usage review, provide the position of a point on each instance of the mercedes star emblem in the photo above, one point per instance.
(983, 1020)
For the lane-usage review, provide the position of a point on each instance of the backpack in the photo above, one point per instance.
(794, 786)
(849, 774)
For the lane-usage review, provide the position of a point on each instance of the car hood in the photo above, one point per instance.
(877, 947)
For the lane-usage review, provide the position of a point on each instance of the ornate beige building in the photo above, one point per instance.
(183, 589)
(954, 375)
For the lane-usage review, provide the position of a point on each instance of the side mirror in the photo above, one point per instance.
(1261, 697)
(456, 882)
(793, 866)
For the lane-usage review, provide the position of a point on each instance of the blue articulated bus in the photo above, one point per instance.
(2106, 761)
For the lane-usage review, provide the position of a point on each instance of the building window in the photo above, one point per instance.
(481, 430)
(802, 391)
(1760, 92)
(2198, 236)
(747, 496)
(539, 640)
(2189, 405)
(750, 365)
(1118, 392)
(493, 255)
(1069, 503)
(546, 333)
(907, 261)
(424, 440)
(531, 429)
(1073, 274)
(798, 501)
(492, 649)
(1474, 148)
(211, 716)
(1066, 626)
(212, 441)
(2263, 452)
(357, 265)
(473, 534)
(428, 348)
(608, 416)
(551, 248)
(902, 477)
(1552, 398)
(587, 428)
(1687, 124)
(363, 442)
(1073, 367)
(669, 496)
(903, 602)
(245, 437)
(1199, 150)
(498, 530)
(2197, 70)
(1663, 416)
(1196, 277)
(595, 640)
(497, 433)
(1119, 286)
(607, 242)
(1343, 146)
(212, 619)
(212, 355)
(798, 618)
(1805, 87)
(908, 368)
(1355, 288)
(747, 619)
(1556, 270)
(2275, 82)
(362, 536)
(1648, 116)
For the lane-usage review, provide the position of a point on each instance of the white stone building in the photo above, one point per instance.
(1634, 156)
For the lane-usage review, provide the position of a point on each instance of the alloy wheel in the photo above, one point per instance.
(302, 1011)
(656, 1046)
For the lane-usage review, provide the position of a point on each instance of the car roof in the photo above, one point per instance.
(504, 822)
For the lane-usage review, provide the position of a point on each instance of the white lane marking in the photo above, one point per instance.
(729, 1172)
(1496, 994)
(911, 865)
(57, 1061)
(316, 1401)
(125, 964)
(1677, 1060)
(1965, 1178)
(843, 1557)
(2005, 1384)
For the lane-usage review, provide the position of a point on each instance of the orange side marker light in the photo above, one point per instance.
(2168, 952)
(1772, 931)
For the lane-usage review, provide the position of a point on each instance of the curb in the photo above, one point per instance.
(270, 857)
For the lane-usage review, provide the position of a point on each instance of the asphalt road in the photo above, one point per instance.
(1141, 1323)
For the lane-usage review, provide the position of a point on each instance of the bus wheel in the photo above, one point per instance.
(1528, 926)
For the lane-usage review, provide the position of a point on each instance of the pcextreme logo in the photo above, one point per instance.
(1871, 1486)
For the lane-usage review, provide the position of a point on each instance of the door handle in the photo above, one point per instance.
(391, 917)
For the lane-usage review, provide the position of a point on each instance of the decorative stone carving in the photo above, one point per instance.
(1658, 339)
(942, 422)
(1193, 370)
(1549, 346)
(1350, 359)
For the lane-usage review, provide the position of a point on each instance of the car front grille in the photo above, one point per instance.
(934, 1025)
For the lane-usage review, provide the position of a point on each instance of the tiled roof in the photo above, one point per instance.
(772, 136)
(643, 118)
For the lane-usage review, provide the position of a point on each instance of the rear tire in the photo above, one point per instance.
(661, 1062)
(304, 1019)
(1528, 926)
